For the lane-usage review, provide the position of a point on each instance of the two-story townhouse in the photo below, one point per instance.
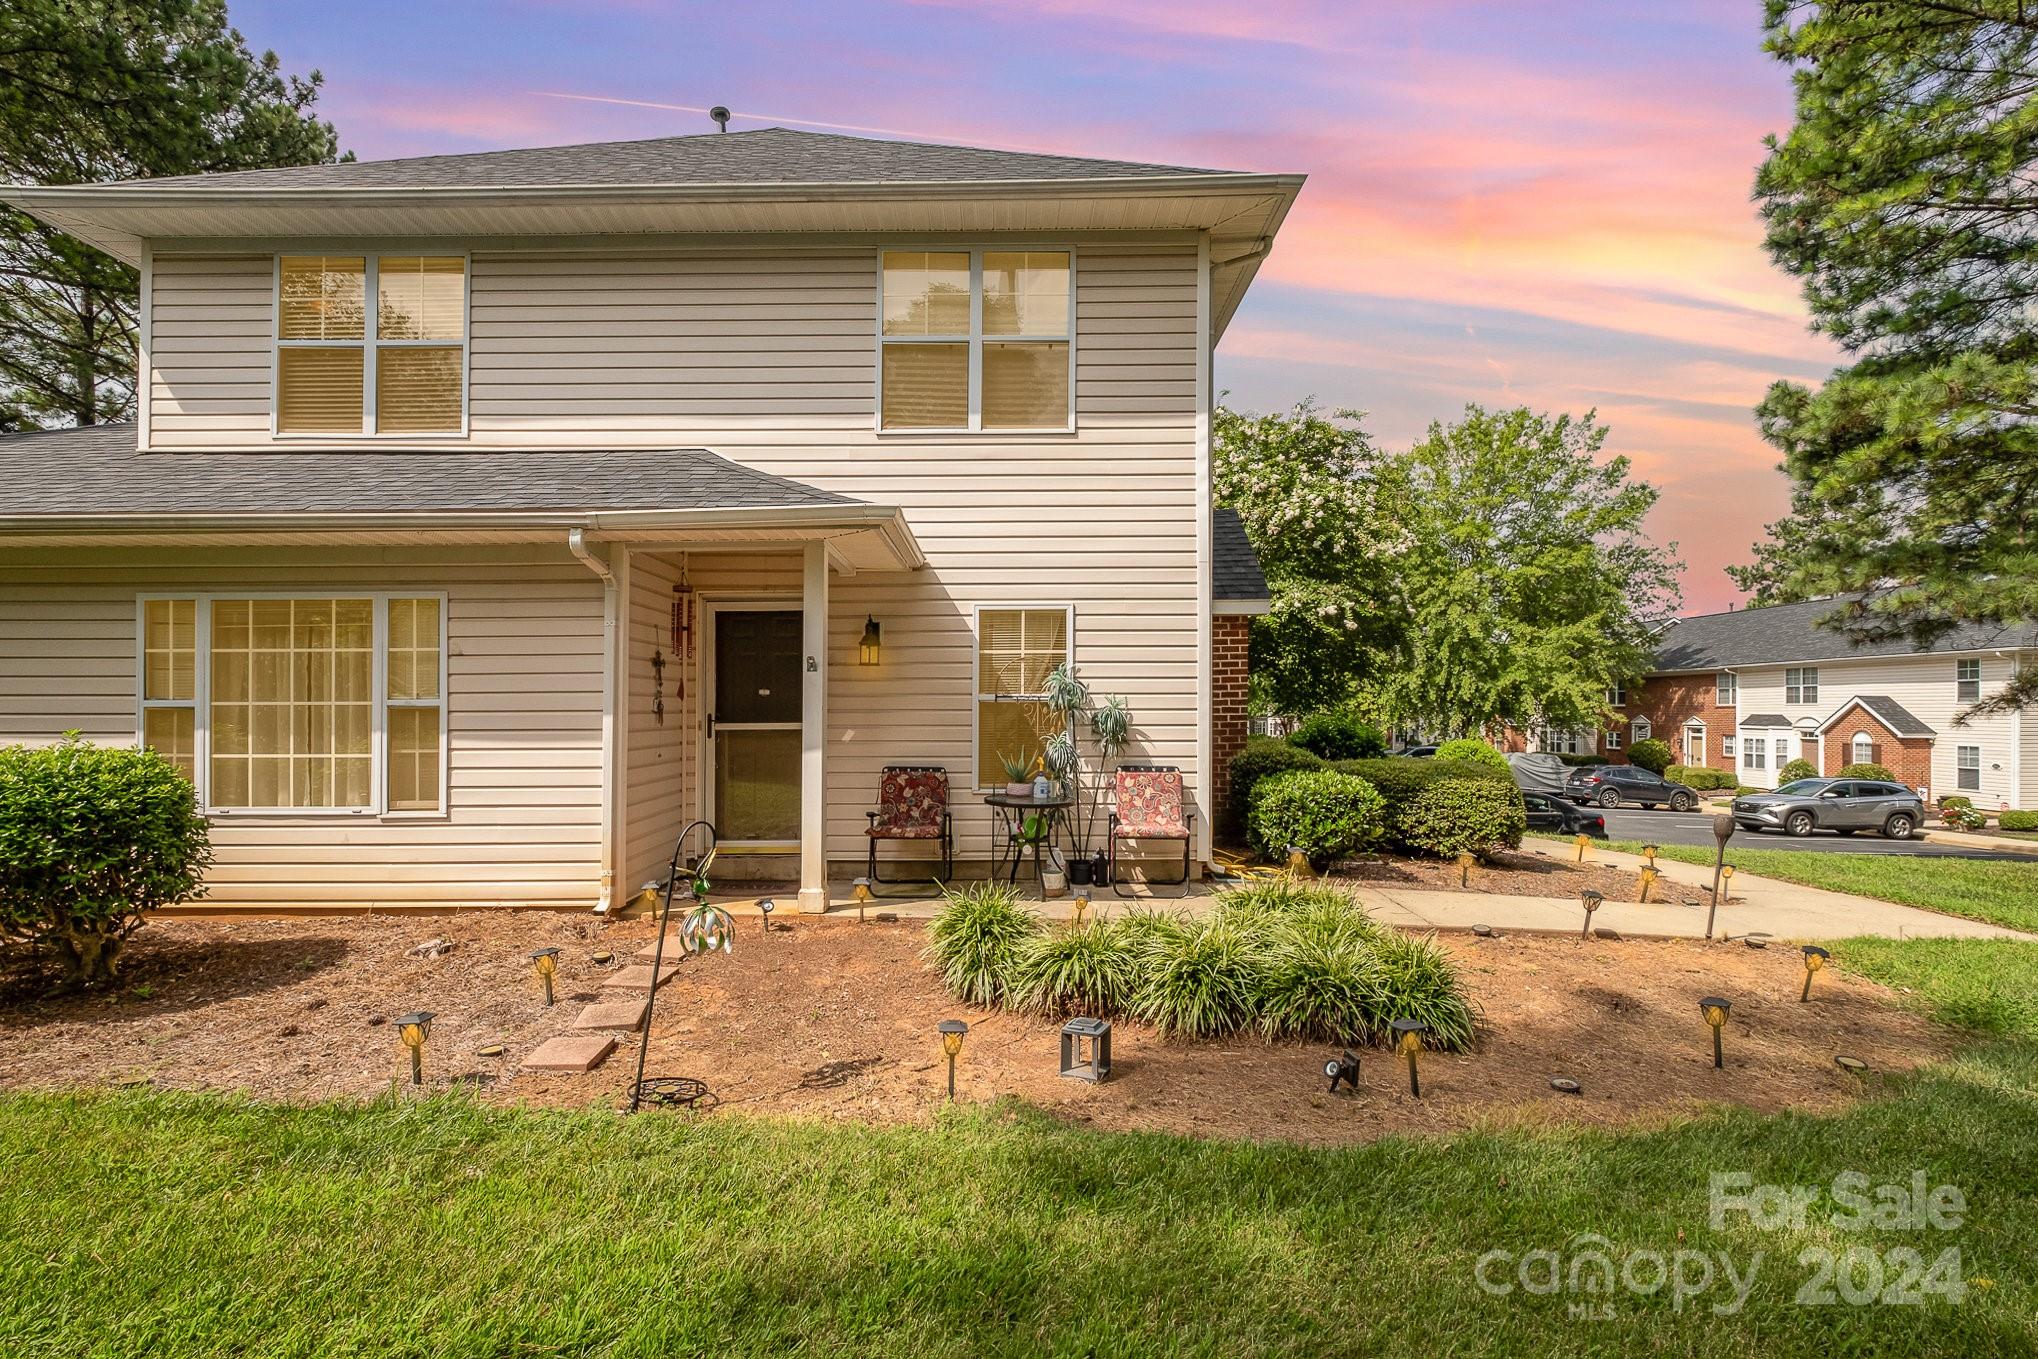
(488, 517)
(1750, 690)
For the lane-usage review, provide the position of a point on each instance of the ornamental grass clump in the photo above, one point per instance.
(1072, 970)
(1416, 980)
(1321, 979)
(975, 939)
(1201, 980)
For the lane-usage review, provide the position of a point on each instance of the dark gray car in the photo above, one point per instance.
(1843, 806)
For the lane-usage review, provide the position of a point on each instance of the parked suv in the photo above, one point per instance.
(1610, 785)
(1843, 806)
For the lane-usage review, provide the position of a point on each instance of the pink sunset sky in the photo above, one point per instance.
(1508, 203)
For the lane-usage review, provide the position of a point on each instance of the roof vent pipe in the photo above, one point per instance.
(721, 117)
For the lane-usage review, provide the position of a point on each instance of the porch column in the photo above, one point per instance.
(814, 729)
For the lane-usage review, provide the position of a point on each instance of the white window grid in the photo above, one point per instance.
(976, 707)
(1967, 768)
(369, 343)
(1726, 689)
(1967, 681)
(975, 338)
(200, 703)
(1801, 685)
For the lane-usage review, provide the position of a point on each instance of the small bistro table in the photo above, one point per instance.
(1012, 812)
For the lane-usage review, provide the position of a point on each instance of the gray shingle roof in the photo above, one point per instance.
(773, 155)
(1235, 566)
(97, 471)
(1892, 714)
(1766, 720)
(1789, 632)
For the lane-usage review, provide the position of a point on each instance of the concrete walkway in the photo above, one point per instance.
(1786, 910)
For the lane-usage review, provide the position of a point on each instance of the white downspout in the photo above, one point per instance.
(576, 543)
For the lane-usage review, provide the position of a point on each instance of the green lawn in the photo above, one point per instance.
(153, 1224)
(2000, 891)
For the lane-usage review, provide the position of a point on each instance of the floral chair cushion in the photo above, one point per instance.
(1150, 805)
(911, 803)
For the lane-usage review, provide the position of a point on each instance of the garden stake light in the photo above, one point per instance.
(1649, 853)
(1722, 831)
(1082, 904)
(1715, 1011)
(862, 886)
(1648, 877)
(545, 962)
(1814, 959)
(1408, 1037)
(1465, 860)
(952, 1032)
(1590, 898)
(765, 908)
(1298, 863)
(414, 1028)
(1583, 841)
(1343, 1070)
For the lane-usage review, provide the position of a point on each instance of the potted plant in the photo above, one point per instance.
(1018, 774)
(1067, 700)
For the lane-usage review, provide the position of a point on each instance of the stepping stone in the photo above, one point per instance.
(627, 1015)
(570, 1053)
(638, 977)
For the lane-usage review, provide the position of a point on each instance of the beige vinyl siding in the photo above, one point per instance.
(659, 755)
(769, 357)
(211, 332)
(524, 690)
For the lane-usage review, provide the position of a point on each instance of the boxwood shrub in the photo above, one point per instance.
(1868, 771)
(1325, 814)
(1468, 751)
(1260, 759)
(1338, 736)
(1701, 778)
(1652, 755)
(2018, 821)
(1452, 816)
(1399, 779)
(91, 839)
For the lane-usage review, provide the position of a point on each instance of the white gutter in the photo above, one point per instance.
(576, 543)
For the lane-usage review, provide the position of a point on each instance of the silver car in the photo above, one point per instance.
(1842, 806)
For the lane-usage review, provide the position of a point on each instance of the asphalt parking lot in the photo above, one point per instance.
(1665, 827)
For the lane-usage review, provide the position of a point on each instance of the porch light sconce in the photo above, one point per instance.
(1814, 959)
(1715, 1010)
(952, 1032)
(871, 648)
(1408, 1037)
(1590, 899)
(414, 1028)
(545, 962)
(1343, 1070)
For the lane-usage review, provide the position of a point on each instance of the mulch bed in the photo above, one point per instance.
(1518, 873)
(835, 1020)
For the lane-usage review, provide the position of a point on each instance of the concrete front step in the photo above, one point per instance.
(571, 1052)
(627, 1015)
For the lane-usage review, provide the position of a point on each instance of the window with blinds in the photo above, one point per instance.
(976, 340)
(310, 704)
(1016, 651)
(343, 367)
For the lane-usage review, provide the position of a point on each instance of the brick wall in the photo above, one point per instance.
(1669, 701)
(1230, 668)
(1907, 757)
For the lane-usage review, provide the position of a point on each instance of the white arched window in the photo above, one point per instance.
(1864, 748)
(1639, 730)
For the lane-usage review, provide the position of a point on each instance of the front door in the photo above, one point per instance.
(754, 727)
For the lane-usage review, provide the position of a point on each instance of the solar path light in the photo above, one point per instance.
(545, 962)
(1815, 958)
(1408, 1038)
(952, 1032)
(1590, 898)
(1715, 1010)
(414, 1028)
(1722, 831)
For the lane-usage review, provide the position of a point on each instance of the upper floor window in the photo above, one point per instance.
(1617, 695)
(1801, 686)
(1726, 689)
(398, 367)
(1967, 681)
(976, 340)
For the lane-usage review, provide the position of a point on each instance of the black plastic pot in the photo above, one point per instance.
(1079, 873)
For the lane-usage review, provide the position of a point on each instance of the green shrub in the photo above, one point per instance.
(1452, 816)
(1336, 736)
(1969, 818)
(2018, 821)
(1325, 814)
(1954, 800)
(1868, 771)
(1399, 779)
(1321, 980)
(1261, 759)
(1796, 769)
(92, 838)
(1652, 755)
(1416, 980)
(1075, 969)
(975, 937)
(1468, 751)
(1200, 979)
(1700, 778)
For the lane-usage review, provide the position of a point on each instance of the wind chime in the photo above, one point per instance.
(682, 629)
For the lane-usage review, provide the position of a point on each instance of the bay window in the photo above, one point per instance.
(345, 367)
(1016, 651)
(976, 340)
(319, 703)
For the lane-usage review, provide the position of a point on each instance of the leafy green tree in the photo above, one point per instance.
(1904, 198)
(1303, 482)
(94, 90)
(1527, 583)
